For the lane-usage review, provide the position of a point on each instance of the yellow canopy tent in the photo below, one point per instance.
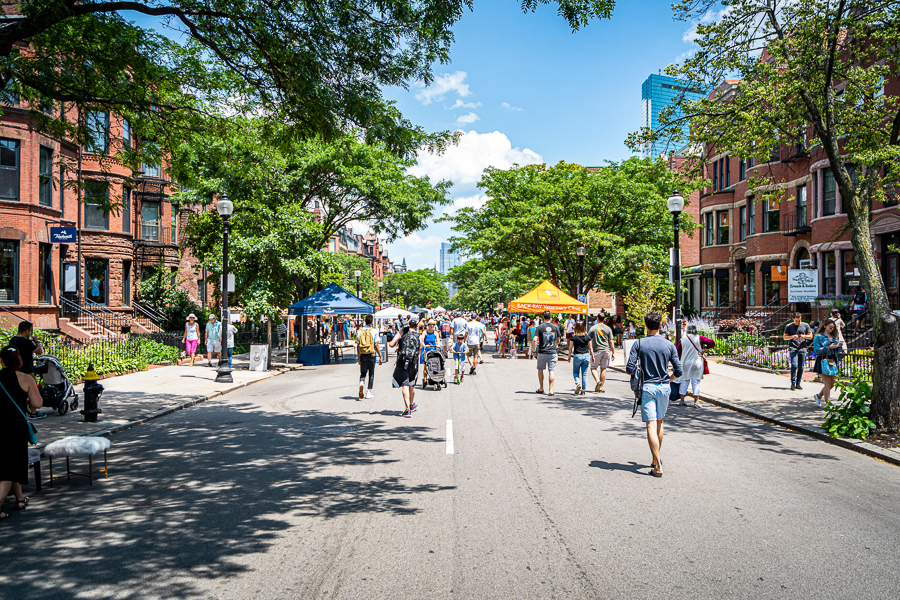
(547, 296)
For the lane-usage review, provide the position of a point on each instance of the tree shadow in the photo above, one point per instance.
(191, 494)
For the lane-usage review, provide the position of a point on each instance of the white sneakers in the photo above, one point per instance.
(817, 399)
(369, 395)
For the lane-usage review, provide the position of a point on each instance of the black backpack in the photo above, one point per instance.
(409, 347)
(637, 381)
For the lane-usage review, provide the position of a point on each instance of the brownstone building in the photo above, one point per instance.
(56, 285)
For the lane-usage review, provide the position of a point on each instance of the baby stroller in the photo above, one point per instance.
(55, 388)
(434, 369)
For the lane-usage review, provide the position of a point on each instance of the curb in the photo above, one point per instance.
(176, 407)
(888, 455)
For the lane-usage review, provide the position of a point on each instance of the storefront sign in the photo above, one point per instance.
(63, 235)
(803, 285)
(779, 273)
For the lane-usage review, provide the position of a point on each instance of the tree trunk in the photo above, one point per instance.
(269, 340)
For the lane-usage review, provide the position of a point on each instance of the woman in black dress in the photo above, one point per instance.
(22, 390)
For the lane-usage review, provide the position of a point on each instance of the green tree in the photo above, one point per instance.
(811, 74)
(342, 270)
(422, 288)
(480, 287)
(649, 291)
(536, 216)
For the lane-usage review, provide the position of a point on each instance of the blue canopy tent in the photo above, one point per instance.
(332, 300)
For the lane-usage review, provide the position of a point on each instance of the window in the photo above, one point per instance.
(722, 219)
(174, 219)
(62, 190)
(727, 172)
(96, 271)
(801, 206)
(710, 292)
(775, 153)
(723, 287)
(715, 176)
(750, 162)
(9, 271)
(742, 226)
(751, 216)
(828, 193)
(815, 196)
(10, 93)
(771, 289)
(854, 180)
(126, 283)
(771, 218)
(126, 134)
(126, 210)
(45, 177)
(150, 221)
(96, 126)
(45, 272)
(96, 198)
(150, 169)
(9, 170)
(850, 280)
(830, 287)
(710, 229)
(751, 288)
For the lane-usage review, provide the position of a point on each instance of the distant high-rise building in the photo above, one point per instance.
(449, 260)
(658, 92)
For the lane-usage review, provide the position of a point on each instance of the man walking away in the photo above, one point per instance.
(604, 352)
(459, 325)
(446, 331)
(798, 334)
(475, 337)
(656, 353)
(570, 328)
(546, 342)
(213, 339)
(406, 370)
(366, 349)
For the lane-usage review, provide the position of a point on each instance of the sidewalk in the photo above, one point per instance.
(768, 397)
(130, 400)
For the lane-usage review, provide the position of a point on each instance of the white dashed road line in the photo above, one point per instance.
(449, 437)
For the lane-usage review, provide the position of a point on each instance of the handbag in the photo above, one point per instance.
(637, 381)
(32, 431)
(700, 352)
(829, 364)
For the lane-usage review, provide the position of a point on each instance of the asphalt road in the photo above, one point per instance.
(543, 497)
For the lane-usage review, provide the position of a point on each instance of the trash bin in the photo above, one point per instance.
(259, 357)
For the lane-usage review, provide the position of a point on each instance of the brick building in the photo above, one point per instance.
(99, 272)
(748, 244)
(368, 246)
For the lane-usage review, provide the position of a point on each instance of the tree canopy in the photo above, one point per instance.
(481, 287)
(536, 216)
(424, 288)
(810, 75)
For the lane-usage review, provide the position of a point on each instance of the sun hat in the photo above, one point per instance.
(192, 316)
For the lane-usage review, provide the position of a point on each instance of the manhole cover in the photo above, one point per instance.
(330, 430)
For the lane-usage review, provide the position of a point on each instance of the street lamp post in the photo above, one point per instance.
(676, 205)
(224, 207)
(580, 252)
(404, 299)
(356, 274)
(380, 295)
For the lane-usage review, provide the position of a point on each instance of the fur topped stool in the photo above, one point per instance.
(78, 446)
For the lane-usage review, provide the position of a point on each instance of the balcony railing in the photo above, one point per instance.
(151, 232)
(789, 224)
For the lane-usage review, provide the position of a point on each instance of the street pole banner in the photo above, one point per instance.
(803, 285)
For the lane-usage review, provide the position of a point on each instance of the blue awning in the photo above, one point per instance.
(333, 300)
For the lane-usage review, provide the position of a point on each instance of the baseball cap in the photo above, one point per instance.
(413, 320)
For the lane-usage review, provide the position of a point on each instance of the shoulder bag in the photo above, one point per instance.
(700, 352)
(829, 363)
(32, 432)
(637, 381)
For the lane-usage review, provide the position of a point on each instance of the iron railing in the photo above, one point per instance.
(732, 311)
(92, 322)
(113, 318)
(148, 316)
(20, 317)
(154, 232)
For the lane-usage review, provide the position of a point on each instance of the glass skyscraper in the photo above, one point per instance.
(658, 92)
(448, 261)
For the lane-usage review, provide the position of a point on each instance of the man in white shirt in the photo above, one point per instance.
(570, 328)
(475, 334)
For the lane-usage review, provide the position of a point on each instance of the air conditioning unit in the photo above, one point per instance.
(806, 264)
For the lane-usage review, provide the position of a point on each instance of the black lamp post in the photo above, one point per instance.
(224, 207)
(399, 298)
(676, 205)
(580, 252)
(356, 274)
(380, 290)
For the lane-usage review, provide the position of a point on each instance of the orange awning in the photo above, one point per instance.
(547, 296)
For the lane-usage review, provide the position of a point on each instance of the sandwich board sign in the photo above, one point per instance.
(803, 285)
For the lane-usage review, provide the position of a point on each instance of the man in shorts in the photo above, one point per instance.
(406, 370)
(604, 352)
(474, 338)
(656, 353)
(459, 325)
(546, 347)
(213, 339)
(446, 331)
(570, 328)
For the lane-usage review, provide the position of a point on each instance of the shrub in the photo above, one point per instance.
(739, 324)
(850, 416)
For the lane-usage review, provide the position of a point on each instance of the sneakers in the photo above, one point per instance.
(577, 389)
(799, 387)
(407, 413)
(414, 406)
(369, 395)
(209, 364)
(817, 399)
(793, 386)
(361, 391)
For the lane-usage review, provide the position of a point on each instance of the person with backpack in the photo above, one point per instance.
(406, 370)
(648, 363)
(446, 331)
(366, 350)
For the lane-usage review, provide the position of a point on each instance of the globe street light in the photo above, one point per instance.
(580, 252)
(225, 208)
(676, 205)
(356, 274)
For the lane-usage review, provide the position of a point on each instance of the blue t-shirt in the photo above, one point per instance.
(459, 350)
(656, 353)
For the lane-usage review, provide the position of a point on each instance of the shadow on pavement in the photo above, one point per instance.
(190, 495)
(631, 467)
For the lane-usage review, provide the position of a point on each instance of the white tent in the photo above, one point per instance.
(440, 309)
(392, 313)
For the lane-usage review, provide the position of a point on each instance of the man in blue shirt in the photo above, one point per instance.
(656, 353)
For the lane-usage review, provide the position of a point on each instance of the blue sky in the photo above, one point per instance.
(525, 89)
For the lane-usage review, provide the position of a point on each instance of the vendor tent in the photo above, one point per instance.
(547, 296)
(332, 300)
(392, 313)
(440, 309)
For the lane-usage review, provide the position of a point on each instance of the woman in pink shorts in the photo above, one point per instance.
(191, 337)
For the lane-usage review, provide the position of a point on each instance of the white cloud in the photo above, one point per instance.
(711, 16)
(468, 119)
(511, 107)
(442, 85)
(464, 163)
(476, 201)
(460, 104)
(414, 240)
